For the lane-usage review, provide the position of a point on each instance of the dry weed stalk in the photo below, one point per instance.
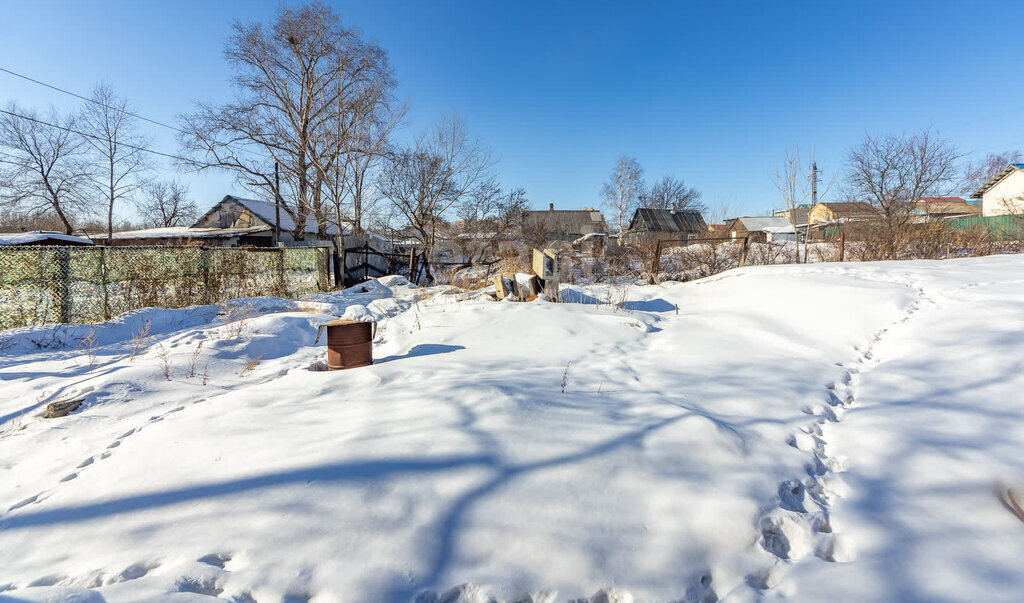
(88, 344)
(249, 366)
(194, 360)
(139, 340)
(165, 360)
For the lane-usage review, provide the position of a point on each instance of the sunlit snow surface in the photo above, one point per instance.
(828, 432)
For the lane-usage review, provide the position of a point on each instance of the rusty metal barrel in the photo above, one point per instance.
(349, 343)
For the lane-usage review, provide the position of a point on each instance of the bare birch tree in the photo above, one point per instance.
(981, 172)
(893, 172)
(42, 167)
(622, 190)
(115, 147)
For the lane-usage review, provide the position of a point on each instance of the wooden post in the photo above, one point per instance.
(103, 282)
(656, 264)
(204, 270)
(412, 263)
(842, 245)
(743, 251)
(366, 260)
(280, 273)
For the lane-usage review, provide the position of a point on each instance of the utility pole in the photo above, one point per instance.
(814, 183)
(277, 206)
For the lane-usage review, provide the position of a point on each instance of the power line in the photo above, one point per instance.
(125, 111)
(94, 101)
(93, 136)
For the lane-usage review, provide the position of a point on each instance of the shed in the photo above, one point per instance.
(41, 237)
(1003, 194)
(761, 229)
(663, 224)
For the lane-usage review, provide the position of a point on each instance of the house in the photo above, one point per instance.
(649, 224)
(564, 225)
(1003, 194)
(796, 215)
(929, 209)
(259, 217)
(41, 237)
(761, 229)
(850, 211)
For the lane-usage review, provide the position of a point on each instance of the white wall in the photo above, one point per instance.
(1007, 197)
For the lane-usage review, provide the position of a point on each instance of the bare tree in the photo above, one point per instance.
(893, 172)
(42, 171)
(297, 81)
(167, 203)
(671, 193)
(116, 148)
(444, 168)
(486, 218)
(980, 173)
(795, 188)
(623, 189)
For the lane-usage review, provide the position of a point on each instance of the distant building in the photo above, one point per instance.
(797, 215)
(258, 218)
(850, 211)
(761, 229)
(561, 225)
(41, 237)
(944, 208)
(1003, 194)
(664, 224)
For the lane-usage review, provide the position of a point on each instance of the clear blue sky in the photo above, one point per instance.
(712, 92)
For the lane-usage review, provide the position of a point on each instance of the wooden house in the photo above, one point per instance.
(650, 224)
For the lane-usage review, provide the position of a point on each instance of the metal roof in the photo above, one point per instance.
(996, 179)
(766, 223)
(264, 210)
(667, 220)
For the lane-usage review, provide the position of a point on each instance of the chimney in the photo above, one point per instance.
(551, 207)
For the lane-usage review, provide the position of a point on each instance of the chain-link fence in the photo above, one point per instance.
(40, 285)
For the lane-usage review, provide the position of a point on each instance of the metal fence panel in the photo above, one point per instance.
(40, 285)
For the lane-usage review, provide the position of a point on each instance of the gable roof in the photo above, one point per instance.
(850, 209)
(994, 180)
(265, 210)
(667, 220)
(960, 207)
(567, 221)
(763, 223)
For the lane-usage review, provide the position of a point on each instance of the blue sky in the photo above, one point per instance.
(711, 92)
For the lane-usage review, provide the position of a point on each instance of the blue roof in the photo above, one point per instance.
(1019, 166)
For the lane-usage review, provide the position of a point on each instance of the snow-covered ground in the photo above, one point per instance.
(818, 432)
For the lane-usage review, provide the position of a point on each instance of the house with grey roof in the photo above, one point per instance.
(561, 225)
(650, 224)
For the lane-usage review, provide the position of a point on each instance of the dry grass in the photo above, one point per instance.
(139, 340)
(249, 366)
(88, 345)
(165, 360)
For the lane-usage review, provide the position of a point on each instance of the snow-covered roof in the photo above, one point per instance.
(265, 210)
(40, 236)
(765, 223)
(181, 232)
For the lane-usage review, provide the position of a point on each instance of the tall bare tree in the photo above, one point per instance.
(296, 81)
(892, 172)
(671, 193)
(42, 167)
(424, 182)
(167, 203)
(622, 190)
(115, 145)
(489, 216)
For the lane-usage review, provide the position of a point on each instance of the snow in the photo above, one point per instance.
(29, 238)
(795, 432)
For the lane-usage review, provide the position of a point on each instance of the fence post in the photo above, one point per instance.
(412, 262)
(842, 245)
(204, 270)
(103, 282)
(62, 287)
(280, 273)
(366, 260)
(743, 251)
